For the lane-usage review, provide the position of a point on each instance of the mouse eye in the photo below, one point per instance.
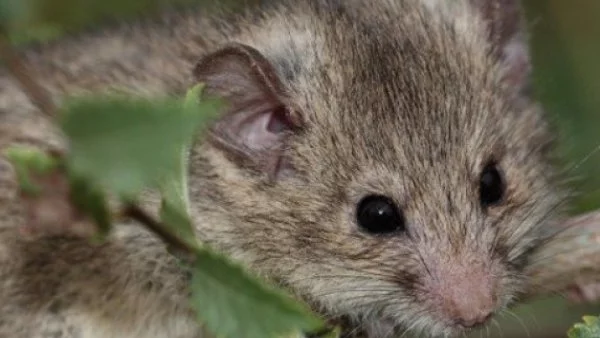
(491, 186)
(379, 214)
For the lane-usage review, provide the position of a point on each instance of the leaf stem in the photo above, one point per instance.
(136, 213)
(21, 72)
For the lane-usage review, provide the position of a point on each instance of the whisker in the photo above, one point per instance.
(585, 159)
(519, 320)
(384, 292)
(375, 271)
(333, 276)
(497, 325)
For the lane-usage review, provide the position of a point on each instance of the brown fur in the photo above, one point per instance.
(401, 98)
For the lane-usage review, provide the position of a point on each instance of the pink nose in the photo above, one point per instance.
(467, 295)
(469, 304)
(473, 320)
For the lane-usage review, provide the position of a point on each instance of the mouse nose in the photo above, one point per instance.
(469, 304)
(471, 321)
(467, 295)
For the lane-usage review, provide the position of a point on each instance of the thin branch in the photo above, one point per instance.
(178, 247)
(22, 73)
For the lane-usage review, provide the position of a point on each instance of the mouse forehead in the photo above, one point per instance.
(397, 88)
(412, 109)
(405, 94)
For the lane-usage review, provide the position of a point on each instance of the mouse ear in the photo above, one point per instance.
(505, 22)
(256, 119)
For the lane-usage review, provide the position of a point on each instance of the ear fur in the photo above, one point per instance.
(257, 119)
(505, 22)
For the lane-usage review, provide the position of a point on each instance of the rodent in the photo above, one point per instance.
(383, 160)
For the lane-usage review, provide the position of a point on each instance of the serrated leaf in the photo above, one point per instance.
(590, 328)
(175, 205)
(175, 188)
(29, 162)
(127, 144)
(232, 304)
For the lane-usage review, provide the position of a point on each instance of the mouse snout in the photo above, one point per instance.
(469, 313)
(465, 295)
(470, 300)
(474, 321)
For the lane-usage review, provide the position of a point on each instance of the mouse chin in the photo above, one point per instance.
(389, 327)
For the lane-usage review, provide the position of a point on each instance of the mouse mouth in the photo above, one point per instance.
(387, 326)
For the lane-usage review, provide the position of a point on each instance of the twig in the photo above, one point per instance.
(21, 72)
(174, 242)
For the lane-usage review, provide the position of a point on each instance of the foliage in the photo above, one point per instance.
(590, 328)
(120, 146)
(112, 139)
(240, 308)
(29, 162)
(124, 146)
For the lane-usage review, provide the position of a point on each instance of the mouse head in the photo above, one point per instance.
(383, 160)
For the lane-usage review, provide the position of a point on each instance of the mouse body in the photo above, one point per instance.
(384, 160)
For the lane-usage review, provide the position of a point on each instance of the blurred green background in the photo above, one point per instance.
(566, 53)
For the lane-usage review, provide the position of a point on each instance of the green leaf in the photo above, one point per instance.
(175, 204)
(233, 304)
(128, 144)
(590, 328)
(91, 201)
(175, 188)
(29, 162)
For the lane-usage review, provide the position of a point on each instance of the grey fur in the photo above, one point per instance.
(405, 98)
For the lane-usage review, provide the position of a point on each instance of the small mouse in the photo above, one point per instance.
(385, 161)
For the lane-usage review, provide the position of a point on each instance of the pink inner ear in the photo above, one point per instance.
(279, 121)
(263, 130)
(257, 121)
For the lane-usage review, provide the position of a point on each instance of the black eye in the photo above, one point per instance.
(491, 186)
(378, 215)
